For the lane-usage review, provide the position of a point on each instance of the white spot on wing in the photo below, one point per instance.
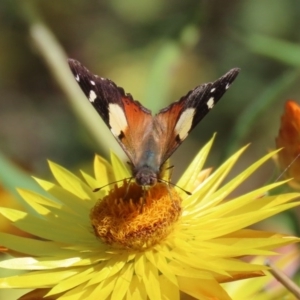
(92, 96)
(227, 86)
(184, 123)
(212, 90)
(117, 119)
(92, 82)
(77, 78)
(210, 103)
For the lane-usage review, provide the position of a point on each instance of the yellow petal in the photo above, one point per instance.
(105, 288)
(72, 281)
(104, 173)
(161, 264)
(108, 269)
(136, 290)
(79, 292)
(36, 294)
(31, 263)
(207, 190)
(49, 228)
(120, 170)
(34, 198)
(151, 281)
(168, 290)
(235, 182)
(70, 182)
(30, 246)
(30, 280)
(72, 202)
(202, 289)
(195, 167)
(123, 282)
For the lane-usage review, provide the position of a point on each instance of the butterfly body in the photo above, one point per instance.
(148, 140)
(148, 166)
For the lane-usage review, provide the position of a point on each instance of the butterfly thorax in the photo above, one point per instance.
(146, 168)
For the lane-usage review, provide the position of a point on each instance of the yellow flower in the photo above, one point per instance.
(289, 139)
(128, 243)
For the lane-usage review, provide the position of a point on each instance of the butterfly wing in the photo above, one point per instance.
(175, 122)
(128, 120)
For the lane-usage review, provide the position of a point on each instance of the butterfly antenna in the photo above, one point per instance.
(285, 170)
(173, 184)
(99, 188)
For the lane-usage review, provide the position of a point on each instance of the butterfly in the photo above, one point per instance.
(148, 140)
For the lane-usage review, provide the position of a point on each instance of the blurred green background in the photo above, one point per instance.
(155, 49)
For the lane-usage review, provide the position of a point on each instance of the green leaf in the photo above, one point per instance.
(277, 49)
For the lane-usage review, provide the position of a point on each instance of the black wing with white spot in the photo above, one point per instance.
(99, 91)
(126, 118)
(205, 96)
(178, 119)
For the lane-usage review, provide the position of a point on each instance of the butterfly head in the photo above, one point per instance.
(145, 176)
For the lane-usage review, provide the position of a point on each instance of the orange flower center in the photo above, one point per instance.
(135, 218)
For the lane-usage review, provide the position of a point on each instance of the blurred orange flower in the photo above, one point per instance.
(289, 139)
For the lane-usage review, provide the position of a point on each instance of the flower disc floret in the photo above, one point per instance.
(130, 217)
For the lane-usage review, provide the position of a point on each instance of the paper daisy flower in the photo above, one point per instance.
(124, 242)
(289, 139)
